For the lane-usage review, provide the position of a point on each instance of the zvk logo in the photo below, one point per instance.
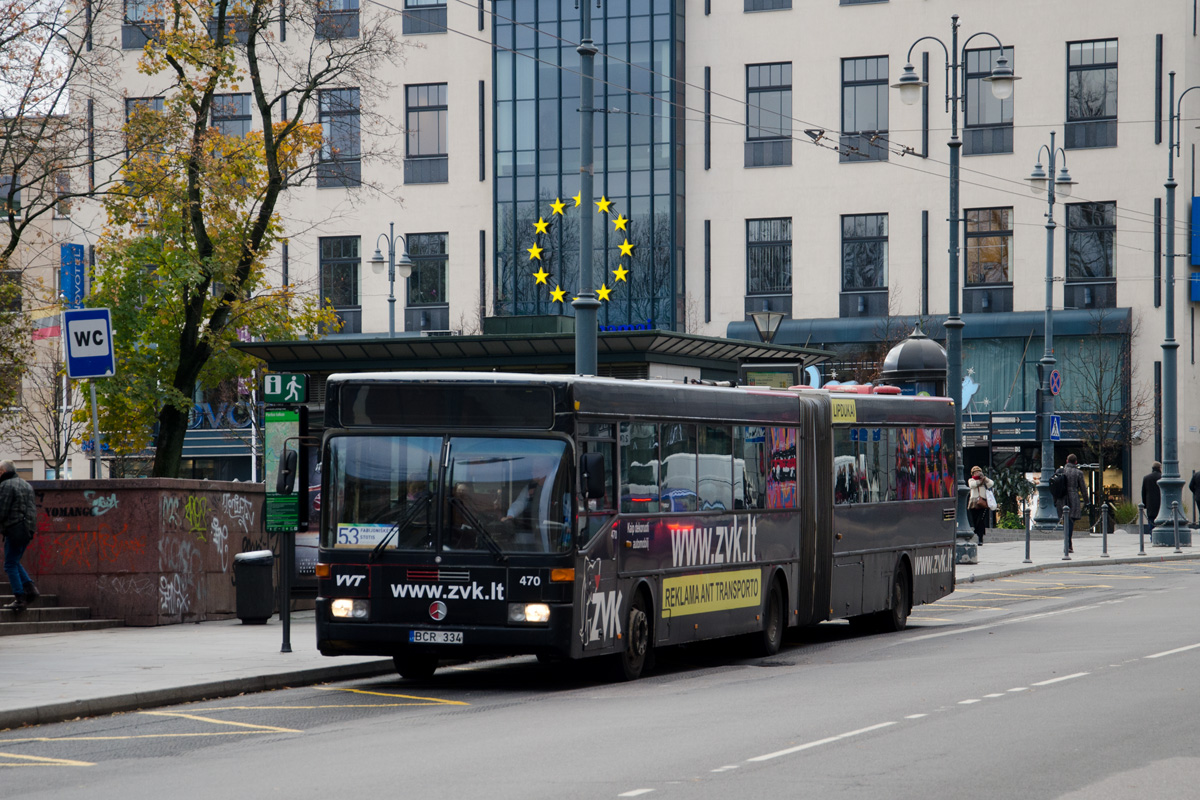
(350, 580)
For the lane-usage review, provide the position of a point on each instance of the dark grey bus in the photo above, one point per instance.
(467, 514)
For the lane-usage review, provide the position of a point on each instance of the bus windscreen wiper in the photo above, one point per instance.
(474, 522)
(410, 514)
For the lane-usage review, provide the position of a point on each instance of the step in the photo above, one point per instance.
(39, 613)
(62, 626)
(43, 601)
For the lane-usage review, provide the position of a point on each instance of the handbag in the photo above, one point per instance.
(979, 503)
(991, 500)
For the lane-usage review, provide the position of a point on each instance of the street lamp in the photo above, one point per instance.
(405, 268)
(1170, 484)
(910, 86)
(766, 323)
(1041, 181)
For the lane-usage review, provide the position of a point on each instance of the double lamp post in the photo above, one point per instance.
(404, 267)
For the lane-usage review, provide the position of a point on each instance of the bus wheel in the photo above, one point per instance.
(896, 618)
(632, 660)
(768, 641)
(416, 666)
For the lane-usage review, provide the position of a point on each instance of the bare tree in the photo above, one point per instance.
(46, 422)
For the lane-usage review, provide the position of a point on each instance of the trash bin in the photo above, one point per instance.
(253, 573)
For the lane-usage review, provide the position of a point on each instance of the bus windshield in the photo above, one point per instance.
(492, 494)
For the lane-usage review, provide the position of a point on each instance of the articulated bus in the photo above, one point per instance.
(471, 514)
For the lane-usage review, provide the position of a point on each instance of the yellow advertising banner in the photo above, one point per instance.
(714, 591)
(844, 410)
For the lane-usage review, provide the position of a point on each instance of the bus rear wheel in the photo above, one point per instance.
(631, 661)
(768, 641)
(896, 618)
(416, 666)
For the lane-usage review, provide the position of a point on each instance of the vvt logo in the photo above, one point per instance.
(350, 580)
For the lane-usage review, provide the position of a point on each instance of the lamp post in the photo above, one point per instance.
(1170, 484)
(404, 267)
(767, 324)
(1041, 181)
(910, 86)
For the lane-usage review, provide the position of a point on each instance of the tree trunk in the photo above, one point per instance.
(168, 444)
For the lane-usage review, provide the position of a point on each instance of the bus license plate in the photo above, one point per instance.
(435, 637)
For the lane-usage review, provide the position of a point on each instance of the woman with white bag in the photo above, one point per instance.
(978, 507)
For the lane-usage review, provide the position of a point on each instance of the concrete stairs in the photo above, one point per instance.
(45, 615)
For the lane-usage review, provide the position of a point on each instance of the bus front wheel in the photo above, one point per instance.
(416, 666)
(768, 641)
(631, 661)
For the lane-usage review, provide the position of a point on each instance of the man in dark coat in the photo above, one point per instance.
(18, 520)
(1072, 503)
(1151, 496)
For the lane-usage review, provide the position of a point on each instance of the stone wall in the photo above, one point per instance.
(149, 551)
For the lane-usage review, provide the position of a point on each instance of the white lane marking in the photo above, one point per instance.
(997, 623)
(1173, 652)
(1020, 689)
(967, 702)
(635, 793)
(916, 716)
(725, 768)
(819, 742)
(998, 694)
(1058, 680)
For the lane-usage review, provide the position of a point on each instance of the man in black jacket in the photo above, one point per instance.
(18, 519)
(1151, 496)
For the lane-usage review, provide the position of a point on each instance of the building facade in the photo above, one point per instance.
(751, 156)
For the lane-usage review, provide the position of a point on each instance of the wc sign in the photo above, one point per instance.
(88, 333)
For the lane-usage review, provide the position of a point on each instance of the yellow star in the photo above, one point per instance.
(578, 199)
(626, 249)
(558, 295)
(541, 275)
(619, 223)
(558, 206)
(602, 205)
(541, 226)
(603, 292)
(620, 272)
(535, 252)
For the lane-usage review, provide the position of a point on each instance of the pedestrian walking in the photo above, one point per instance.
(1072, 502)
(978, 510)
(1194, 487)
(18, 520)
(1151, 496)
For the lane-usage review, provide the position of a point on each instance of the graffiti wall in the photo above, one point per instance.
(149, 551)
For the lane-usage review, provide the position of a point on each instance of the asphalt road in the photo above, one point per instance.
(1069, 683)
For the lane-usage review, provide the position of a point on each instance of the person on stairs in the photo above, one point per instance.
(18, 520)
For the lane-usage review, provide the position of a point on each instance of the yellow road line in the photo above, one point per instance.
(973, 608)
(41, 761)
(196, 718)
(321, 707)
(45, 739)
(430, 700)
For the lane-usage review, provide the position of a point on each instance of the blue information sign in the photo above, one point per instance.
(73, 273)
(88, 333)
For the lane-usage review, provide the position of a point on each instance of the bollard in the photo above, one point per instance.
(1141, 529)
(1066, 541)
(1027, 560)
(1104, 529)
(1175, 523)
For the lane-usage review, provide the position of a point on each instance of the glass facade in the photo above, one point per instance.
(638, 158)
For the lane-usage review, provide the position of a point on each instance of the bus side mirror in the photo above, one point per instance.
(287, 471)
(591, 472)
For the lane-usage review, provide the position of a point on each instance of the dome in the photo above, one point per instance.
(916, 358)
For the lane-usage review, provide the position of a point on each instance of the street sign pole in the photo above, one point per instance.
(95, 434)
(89, 348)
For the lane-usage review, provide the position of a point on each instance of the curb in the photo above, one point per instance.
(1091, 562)
(134, 701)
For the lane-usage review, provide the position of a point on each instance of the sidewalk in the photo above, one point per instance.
(53, 677)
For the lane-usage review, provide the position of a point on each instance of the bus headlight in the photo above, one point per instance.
(345, 608)
(528, 612)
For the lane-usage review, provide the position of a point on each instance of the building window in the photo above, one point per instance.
(989, 243)
(424, 16)
(769, 256)
(62, 191)
(426, 154)
(134, 105)
(139, 25)
(339, 279)
(766, 5)
(1091, 94)
(1091, 239)
(10, 197)
(341, 127)
(231, 114)
(864, 109)
(427, 284)
(864, 252)
(337, 19)
(768, 115)
(989, 122)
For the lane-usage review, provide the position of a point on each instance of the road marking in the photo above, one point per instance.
(725, 768)
(819, 742)
(1020, 689)
(968, 702)
(197, 718)
(41, 761)
(973, 608)
(433, 701)
(996, 624)
(1059, 680)
(999, 694)
(1176, 650)
(635, 793)
(916, 716)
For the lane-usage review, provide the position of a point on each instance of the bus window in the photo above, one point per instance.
(597, 511)
(875, 457)
(781, 474)
(750, 467)
(639, 467)
(848, 476)
(380, 483)
(678, 475)
(716, 469)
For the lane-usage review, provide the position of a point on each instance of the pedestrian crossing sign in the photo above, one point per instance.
(1055, 427)
(285, 388)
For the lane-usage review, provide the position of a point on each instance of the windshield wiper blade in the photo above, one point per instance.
(407, 518)
(474, 522)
